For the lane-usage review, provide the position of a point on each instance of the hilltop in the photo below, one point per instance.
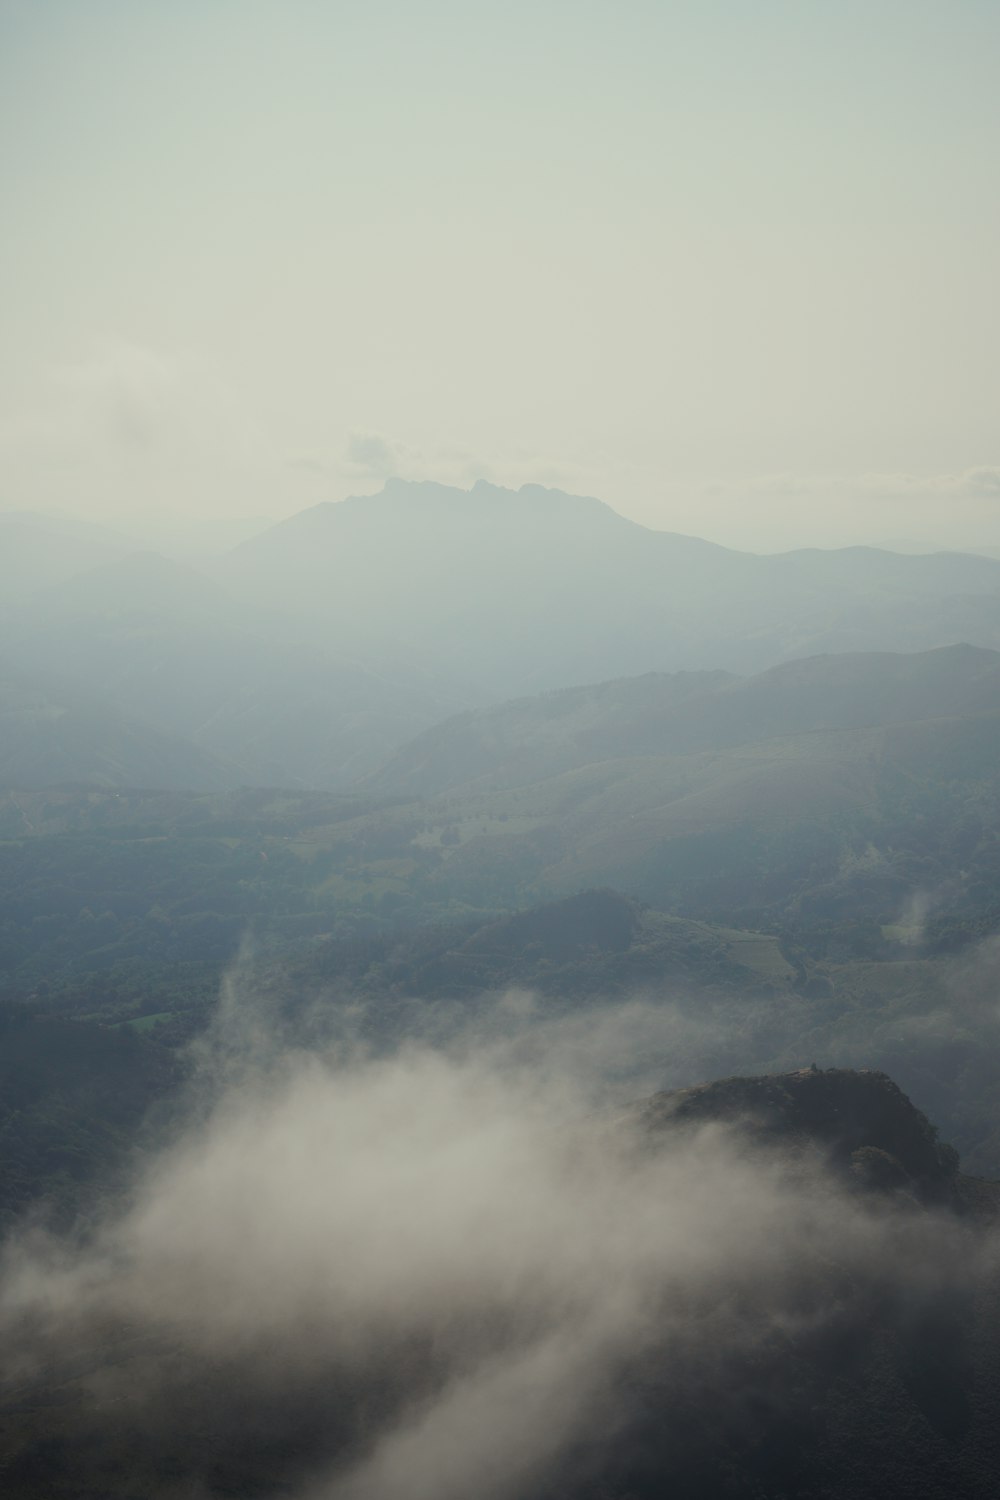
(846, 1345)
(861, 1121)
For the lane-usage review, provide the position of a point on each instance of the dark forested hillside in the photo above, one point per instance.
(811, 1356)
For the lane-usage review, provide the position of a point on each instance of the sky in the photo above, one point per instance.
(728, 265)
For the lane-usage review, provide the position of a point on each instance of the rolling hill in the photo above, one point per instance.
(683, 713)
(831, 789)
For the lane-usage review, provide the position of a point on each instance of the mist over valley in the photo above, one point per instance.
(426, 1200)
(499, 752)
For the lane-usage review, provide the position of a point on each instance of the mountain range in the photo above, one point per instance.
(497, 822)
(310, 653)
(515, 592)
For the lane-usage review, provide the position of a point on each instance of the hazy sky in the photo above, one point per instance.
(730, 265)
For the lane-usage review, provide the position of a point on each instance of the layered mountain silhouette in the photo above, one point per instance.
(488, 773)
(39, 552)
(778, 797)
(514, 592)
(311, 652)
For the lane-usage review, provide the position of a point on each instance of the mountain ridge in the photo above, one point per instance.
(523, 591)
(681, 713)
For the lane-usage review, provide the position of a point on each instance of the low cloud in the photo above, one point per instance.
(451, 1255)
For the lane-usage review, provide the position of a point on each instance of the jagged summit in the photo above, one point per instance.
(509, 592)
(431, 501)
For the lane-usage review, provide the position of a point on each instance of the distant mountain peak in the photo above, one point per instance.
(538, 498)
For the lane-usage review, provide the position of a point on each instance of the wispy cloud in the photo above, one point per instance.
(453, 1248)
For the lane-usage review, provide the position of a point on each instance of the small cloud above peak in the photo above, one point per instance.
(372, 454)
